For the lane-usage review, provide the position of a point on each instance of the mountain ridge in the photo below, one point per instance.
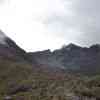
(70, 57)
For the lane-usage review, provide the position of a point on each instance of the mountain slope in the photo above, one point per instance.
(43, 75)
(71, 58)
(10, 50)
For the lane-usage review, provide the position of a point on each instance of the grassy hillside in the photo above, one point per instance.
(18, 81)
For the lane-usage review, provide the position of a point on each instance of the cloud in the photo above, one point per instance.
(79, 21)
(3, 1)
(50, 23)
(22, 20)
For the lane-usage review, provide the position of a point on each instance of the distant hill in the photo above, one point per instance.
(71, 58)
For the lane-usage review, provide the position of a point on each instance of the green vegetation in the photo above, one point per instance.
(20, 82)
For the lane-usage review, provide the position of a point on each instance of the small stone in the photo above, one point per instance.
(7, 98)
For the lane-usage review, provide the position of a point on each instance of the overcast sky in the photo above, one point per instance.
(48, 24)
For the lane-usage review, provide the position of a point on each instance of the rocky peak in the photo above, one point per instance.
(70, 46)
